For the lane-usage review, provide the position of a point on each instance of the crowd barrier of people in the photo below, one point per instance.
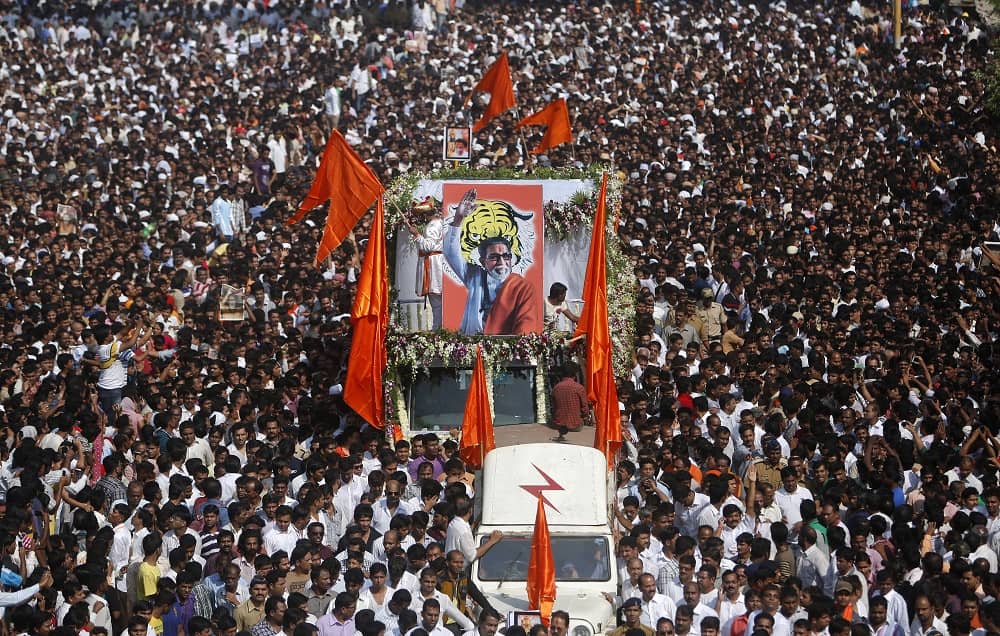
(811, 423)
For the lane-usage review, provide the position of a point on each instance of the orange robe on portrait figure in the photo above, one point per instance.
(516, 309)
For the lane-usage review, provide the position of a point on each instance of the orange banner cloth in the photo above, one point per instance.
(370, 322)
(477, 423)
(555, 117)
(498, 84)
(350, 186)
(601, 389)
(541, 568)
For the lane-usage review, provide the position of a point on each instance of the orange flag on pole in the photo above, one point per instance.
(498, 84)
(350, 186)
(555, 117)
(541, 568)
(477, 423)
(601, 389)
(370, 322)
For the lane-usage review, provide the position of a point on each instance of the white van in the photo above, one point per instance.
(574, 481)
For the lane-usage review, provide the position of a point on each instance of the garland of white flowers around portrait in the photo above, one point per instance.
(411, 353)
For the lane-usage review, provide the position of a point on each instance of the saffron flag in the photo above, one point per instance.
(477, 423)
(498, 84)
(555, 118)
(601, 389)
(541, 568)
(370, 322)
(348, 184)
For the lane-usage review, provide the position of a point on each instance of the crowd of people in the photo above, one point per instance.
(811, 426)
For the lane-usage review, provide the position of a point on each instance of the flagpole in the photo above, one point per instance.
(482, 436)
(524, 144)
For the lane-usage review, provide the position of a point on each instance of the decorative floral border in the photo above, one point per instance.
(412, 353)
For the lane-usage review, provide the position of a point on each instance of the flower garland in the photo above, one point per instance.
(412, 353)
(565, 219)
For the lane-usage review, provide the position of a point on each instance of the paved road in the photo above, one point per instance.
(533, 433)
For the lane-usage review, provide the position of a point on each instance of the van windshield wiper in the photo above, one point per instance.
(510, 568)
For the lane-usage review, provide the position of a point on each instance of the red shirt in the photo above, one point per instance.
(569, 404)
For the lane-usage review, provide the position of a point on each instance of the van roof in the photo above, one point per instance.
(572, 479)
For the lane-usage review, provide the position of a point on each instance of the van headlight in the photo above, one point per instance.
(580, 630)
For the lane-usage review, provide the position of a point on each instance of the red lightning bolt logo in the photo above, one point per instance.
(539, 490)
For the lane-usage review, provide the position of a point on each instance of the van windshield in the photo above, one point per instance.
(577, 558)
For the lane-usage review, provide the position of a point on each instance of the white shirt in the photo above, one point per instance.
(813, 566)
(781, 625)
(447, 608)
(102, 617)
(115, 376)
(746, 524)
(701, 611)
(789, 503)
(709, 516)
(171, 541)
(896, 610)
(660, 606)
(439, 630)
(121, 550)
(687, 518)
(383, 516)
(917, 630)
(460, 538)
(971, 481)
(729, 610)
(892, 629)
(276, 540)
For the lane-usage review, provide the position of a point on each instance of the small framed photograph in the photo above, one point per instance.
(457, 144)
(231, 304)
(525, 618)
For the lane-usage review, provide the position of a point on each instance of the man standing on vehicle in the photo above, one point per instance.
(569, 402)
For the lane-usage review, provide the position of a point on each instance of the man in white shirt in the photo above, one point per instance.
(121, 548)
(879, 622)
(654, 605)
(897, 612)
(197, 448)
(925, 619)
(687, 508)
(630, 585)
(814, 563)
(692, 598)
(389, 614)
(730, 603)
(963, 473)
(430, 612)
(283, 536)
(390, 506)
(239, 445)
(790, 495)
(460, 536)
(429, 592)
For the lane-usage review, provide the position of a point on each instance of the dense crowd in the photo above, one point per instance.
(811, 426)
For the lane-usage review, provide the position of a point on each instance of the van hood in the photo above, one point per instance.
(572, 481)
